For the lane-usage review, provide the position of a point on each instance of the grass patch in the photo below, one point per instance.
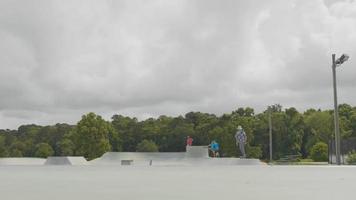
(306, 161)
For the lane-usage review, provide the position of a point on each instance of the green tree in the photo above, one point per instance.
(127, 127)
(147, 146)
(287, 130)
(295, 131)
(203, 123)
(176, 132)
(318, 128)
(43, 150)
(16, 153)
(3, 149)
(91, 136)
(353, 122)
(65, 147)
(17, 149)
(52, 135)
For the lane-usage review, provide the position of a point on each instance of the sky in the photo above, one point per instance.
(146, 58)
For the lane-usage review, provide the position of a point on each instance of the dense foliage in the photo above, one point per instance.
(351, 158)
(147, 146)
(43, 150)
(293, 133)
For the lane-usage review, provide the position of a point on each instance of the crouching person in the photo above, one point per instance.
(214, 148)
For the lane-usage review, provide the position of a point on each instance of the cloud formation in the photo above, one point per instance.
(59, 60)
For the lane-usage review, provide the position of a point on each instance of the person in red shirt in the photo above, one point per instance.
(189, 141)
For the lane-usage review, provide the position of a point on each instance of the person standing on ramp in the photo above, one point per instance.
(189, 141)
(241, 140)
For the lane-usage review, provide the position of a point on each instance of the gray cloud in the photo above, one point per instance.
(60, 60)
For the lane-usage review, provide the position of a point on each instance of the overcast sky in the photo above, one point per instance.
(145, 58)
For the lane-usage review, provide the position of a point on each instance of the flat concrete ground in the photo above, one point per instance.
(166, 183)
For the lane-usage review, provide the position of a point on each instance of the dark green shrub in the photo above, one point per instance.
(319, 152)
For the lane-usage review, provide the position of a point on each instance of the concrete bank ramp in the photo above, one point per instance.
(22, 161)
(66, 160)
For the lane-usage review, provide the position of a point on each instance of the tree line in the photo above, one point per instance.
(294, 133)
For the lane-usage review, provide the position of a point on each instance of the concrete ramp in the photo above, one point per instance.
(66, 160)
(22, 161)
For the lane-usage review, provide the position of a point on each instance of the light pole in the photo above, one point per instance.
(270, 132)
(336, 63)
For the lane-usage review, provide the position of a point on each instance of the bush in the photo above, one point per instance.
(147, 146)
(351, 158)
(253, 151)
(319, 152)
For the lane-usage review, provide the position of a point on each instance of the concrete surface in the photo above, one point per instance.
(180, 183)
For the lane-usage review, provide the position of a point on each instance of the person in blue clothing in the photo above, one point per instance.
(214, 148)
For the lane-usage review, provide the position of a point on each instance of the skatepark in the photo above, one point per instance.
(194, 155)
(178, 175)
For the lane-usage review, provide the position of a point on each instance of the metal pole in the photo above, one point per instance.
(336, 114)
(270, 133)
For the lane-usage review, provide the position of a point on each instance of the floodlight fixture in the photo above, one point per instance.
(342, 59)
